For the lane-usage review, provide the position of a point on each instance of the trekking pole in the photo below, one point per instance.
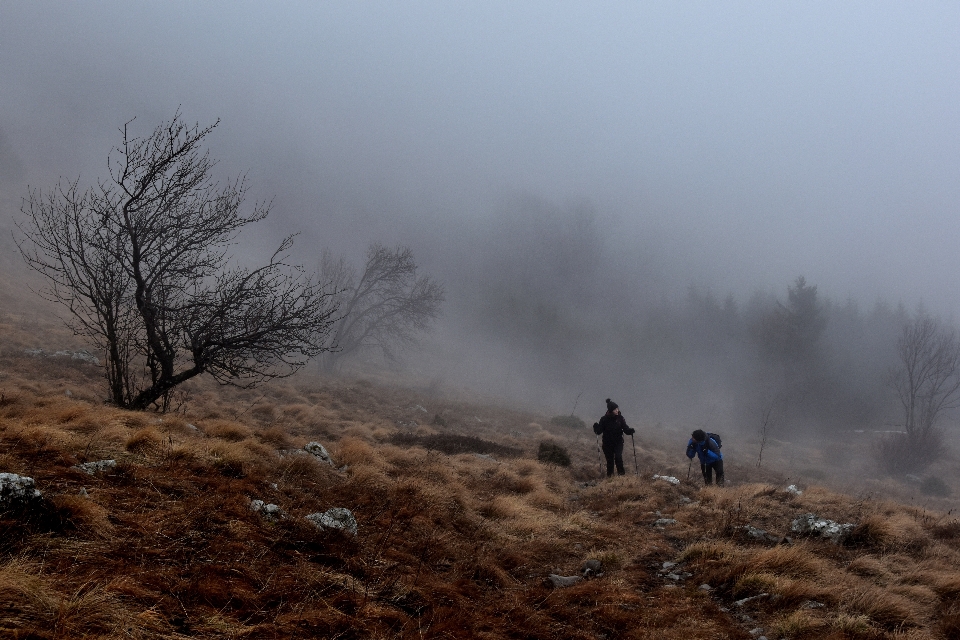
(689, 466)
(636, 465)
(598, 456)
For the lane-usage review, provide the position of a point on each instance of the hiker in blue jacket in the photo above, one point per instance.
(709, 453)
(613, 426)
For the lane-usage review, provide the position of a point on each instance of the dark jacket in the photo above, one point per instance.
(612, 427)
(707, 451)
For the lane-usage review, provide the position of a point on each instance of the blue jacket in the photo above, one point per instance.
(707, 451)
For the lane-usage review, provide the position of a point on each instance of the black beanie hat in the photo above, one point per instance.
(611, 405)
(699, 435)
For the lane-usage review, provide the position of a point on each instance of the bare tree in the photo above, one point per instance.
(384, 308)
(141, 262)
(927, 380)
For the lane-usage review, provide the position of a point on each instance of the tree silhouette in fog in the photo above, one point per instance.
(384, 307)
(141, 262)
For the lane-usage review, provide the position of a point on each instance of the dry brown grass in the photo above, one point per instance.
(450, 544)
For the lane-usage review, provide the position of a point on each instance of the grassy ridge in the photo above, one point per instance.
(450, 545)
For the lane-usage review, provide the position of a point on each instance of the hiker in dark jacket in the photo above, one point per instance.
(613, 426)
(709, 453)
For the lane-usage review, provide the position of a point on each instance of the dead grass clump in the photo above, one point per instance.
(873, 532)
(175, 425)
(144, 441)
(867, 566)
(32, 609)
(84, 514)
(181, 452)
(299, 469)
(234, 459)
(947, 586)
(949, 624)
(265, 411)
(26, 601)
(753, 583)
(949, 530)
(503, 507)
(506, 481)
(712, 550)
(276, 437)
(226, 430)
(854, 626)
(543, 498)
(796, 561)
(85, 424)
(356, 452)
(885, 608)
(133, 420)
(798, 624)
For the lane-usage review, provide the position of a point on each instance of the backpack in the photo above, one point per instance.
(716, 438)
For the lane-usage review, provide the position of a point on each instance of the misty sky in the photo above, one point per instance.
(746, 143)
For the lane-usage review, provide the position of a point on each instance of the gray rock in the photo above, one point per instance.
(811, 525)
(740, 603)
(812, 604)
(335, 518)
(663, 522)
(705, 587)
(760, 534)
(16, 490)
(669, 479)
(591, 567)
(562, 581)
(269, 511)
(669, 565)
(794, 490)
(91, 468)
(82, 355)
(319, 452)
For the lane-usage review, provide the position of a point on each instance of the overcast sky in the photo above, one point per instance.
(749, 142)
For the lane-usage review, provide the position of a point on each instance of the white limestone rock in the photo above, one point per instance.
(17, 490)
(811, 525)
(335, 518)
(319, 452)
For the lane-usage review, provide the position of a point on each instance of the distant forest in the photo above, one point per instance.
(572, 308)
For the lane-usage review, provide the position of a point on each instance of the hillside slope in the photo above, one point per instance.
(449, 545)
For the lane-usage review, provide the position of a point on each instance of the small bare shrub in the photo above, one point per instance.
(553, 453)
(934, 486)
(899, 453)
(453, 444)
